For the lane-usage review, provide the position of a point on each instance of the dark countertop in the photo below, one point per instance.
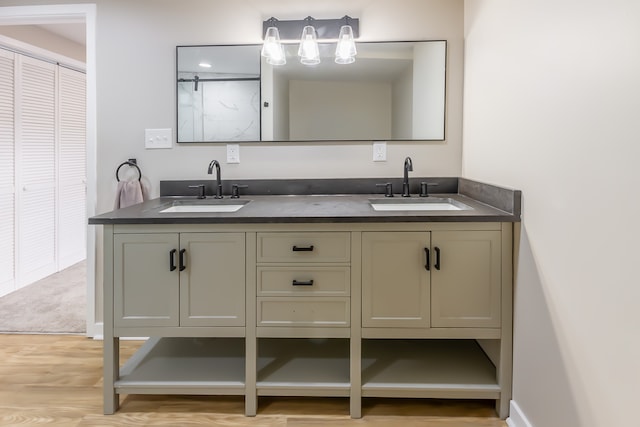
(489, 203)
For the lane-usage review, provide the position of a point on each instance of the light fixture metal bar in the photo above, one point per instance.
(325, 28)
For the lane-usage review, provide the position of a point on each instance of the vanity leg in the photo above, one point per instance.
(251, 342)
(111, 368)
(355, 398)
(250, 394)
(355, 351)
(510, 238)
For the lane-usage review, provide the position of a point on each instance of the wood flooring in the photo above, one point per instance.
(56, 380)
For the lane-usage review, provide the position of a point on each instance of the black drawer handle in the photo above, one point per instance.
(183, 266)
(427, 261)
(302, 283)
(437, 264)
(302, 248)
(172, 264)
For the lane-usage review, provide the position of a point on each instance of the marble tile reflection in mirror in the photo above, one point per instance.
(218, 94)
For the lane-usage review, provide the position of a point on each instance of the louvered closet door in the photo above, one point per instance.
(71, 168)
(35, 143)
(7, 184)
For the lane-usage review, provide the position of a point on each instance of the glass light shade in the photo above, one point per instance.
(308, 51)
(346, 48)
(272, 49)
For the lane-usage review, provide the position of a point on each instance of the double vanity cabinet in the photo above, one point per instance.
(352, 307)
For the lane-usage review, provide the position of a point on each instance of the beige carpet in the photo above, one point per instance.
(55, 304)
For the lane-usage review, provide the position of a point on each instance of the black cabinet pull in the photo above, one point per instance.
(301, 283)
(302, 248)
(437, 264)
(172, 264)
(427, 261)
(181, 261)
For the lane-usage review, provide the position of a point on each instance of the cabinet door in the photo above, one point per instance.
(145, 289)
(212, 284)
(465, 283)
(395, 281)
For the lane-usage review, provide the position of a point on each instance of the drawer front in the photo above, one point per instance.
(304, 247)
(292, 281)
(299, 311)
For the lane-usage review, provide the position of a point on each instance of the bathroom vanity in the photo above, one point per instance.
(312, 295)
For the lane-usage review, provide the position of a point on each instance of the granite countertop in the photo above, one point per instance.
(488, 203)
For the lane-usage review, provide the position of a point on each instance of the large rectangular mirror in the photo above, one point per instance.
(393, 91)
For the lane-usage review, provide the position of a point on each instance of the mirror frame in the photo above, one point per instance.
(302, 141)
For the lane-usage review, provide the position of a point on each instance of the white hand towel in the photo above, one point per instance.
(128, 193)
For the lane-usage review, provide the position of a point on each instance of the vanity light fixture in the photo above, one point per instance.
(346, 47)
(308, 51)
(308, 32)
(272, 49)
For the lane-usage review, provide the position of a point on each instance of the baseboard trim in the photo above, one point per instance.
(98, 331)
(517, 417)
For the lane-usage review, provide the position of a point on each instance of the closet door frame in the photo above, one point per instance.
(61, 13)
(7, 175)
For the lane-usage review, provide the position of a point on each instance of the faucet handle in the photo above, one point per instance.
(235, 190)
(200, 187)
(389, 189)
(424, 188)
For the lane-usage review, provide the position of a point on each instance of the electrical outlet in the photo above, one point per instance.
(157, 138)
(233, 153)
(379, 151)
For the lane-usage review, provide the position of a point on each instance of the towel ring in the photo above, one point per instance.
(130, 164)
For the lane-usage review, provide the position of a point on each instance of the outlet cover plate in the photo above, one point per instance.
(233, 153)
(380, 151)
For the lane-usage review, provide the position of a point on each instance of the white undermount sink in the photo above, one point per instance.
(418, 204)
(206, 206)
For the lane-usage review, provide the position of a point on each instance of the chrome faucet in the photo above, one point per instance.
(218, 178)
(408, 166)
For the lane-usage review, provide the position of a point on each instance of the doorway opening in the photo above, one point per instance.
(63, 18)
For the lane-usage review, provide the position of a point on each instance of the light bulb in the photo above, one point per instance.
(308, 51)
(272, 49)
(346, 48)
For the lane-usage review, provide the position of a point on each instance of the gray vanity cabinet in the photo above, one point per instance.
(431, 279)
(303, 280)
(395, 281)
(179, 279)
(358, 310)
(465, 279)
(145, 291)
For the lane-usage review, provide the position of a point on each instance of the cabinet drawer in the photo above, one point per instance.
(324, 281)
(300, 311)
(304, 247)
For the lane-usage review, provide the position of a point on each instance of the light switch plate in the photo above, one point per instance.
(380, 151)
(233, 153)
(157, 138)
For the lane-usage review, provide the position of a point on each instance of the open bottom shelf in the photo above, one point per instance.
(427, 368)
(185, 366)
(303, 367)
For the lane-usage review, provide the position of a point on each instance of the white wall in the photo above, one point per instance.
(552, 107)
(329, 110)
(44, 39)
(402, 105)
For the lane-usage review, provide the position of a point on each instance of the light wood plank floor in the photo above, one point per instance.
(57, 380)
